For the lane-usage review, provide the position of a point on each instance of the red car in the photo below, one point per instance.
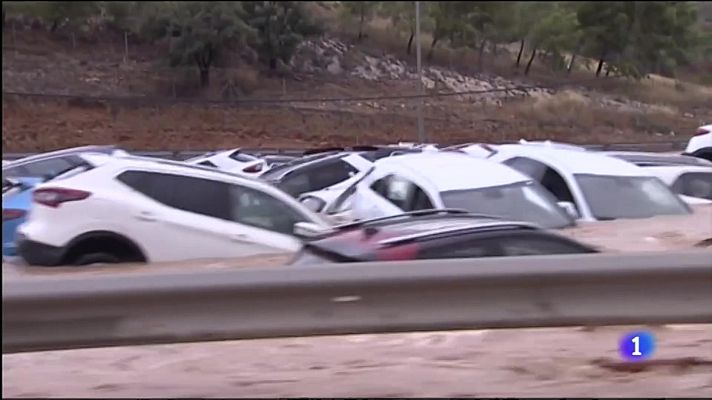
(434, 234)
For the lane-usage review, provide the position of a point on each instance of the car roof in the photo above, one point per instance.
(104, 149)
(370, 153)
(643, 159)
(280, 171)
(575, 161)
(151, 162)
(455, 171)
(673, 171)
(357, 240)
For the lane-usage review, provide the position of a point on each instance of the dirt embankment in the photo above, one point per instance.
(497, 110)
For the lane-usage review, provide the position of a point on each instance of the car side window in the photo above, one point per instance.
(241, 157)
(471, 248)
(533, 244)
(556, 184)
(261, 210)
(330, 173)
(545, 175)
(296, 183)
(694, 184)
(528, 167)
(200, 196)
(52, 166)
(15, 172)
(403, 193)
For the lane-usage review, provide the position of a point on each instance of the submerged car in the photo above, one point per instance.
(140, 209)
(439, 180)
(54, 162)
(234, 160)
(594, 186)
(700, 145)
(319, 170)
(16, 202)
(433, 234)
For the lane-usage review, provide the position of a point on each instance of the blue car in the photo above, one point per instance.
(16, 202)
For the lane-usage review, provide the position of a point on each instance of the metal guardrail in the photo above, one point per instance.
(65, 311)
(184, 155)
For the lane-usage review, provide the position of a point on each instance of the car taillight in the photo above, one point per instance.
(701, 131)
(53, 197)
(253, 168)
(11, 213)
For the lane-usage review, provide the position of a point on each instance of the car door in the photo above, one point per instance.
(185, 217)
(392, 195)
(548, 177)
(265, 220)
(371, 199)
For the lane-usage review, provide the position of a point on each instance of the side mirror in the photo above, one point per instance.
(309, 229)
(313, 203)
(569, 208)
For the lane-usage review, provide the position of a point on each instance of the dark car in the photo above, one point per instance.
(434, 234)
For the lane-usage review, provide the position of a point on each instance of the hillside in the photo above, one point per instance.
(140, 105)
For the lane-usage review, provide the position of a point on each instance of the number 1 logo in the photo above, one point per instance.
(637, 346)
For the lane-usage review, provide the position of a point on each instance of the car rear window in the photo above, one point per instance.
(694, 184)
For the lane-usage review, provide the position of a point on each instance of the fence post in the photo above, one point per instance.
(126, 47)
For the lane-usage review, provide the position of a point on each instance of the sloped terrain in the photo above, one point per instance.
(494, 108)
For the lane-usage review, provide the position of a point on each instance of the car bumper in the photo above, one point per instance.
(36, 253)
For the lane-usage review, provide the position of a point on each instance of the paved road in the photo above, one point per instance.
(529, 362)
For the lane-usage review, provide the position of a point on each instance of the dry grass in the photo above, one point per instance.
(573, 111)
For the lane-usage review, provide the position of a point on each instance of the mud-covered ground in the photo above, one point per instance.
(571, 362)
(490, 363)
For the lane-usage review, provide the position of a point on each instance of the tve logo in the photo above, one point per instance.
(637, 346)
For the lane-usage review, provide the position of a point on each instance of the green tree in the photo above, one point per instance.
(363, 11)
(402, 16)
(638, 37)
(198, 32)
(56, 13)
(449, 22)
(280, 27)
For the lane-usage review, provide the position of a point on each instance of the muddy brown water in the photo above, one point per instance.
(569, 362)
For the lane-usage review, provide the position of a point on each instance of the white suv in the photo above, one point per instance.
(138, 209)
(700, 145)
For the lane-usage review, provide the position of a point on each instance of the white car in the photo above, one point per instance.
(450, 180)
(700, 145)
(689, 177)
(139, 209)
(234, 160)
(323, 170)
(596, 186)
(689, 182)
(54, 163)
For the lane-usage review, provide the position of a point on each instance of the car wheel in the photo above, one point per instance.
(96, 258)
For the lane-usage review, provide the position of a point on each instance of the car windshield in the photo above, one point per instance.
(522, 201)
(614, 197)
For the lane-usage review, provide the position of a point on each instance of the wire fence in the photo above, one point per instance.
(273, 100)
(669, 146)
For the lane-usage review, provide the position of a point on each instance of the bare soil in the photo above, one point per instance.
(36, 62)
